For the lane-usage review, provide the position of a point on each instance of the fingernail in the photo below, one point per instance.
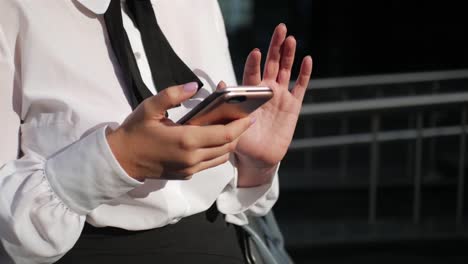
(256, 49)
(190, 87)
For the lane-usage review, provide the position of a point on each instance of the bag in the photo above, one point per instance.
(264, 242)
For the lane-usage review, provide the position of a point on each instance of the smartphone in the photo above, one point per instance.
(226, 105)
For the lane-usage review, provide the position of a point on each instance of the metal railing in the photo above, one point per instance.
(388, 79)
(373, 108)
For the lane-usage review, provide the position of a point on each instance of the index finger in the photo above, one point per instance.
(217, 135)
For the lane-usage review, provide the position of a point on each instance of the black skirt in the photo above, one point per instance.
(202, 238)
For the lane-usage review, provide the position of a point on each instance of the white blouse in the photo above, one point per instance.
(60, 86)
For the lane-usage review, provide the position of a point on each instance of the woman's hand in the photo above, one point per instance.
(148, 145)
(264, 145)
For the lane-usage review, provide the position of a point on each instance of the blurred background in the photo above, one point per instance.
(376, 171)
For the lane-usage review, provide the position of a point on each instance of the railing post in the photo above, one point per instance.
(410, 150)
(461, 167)
(433, 124)
(374, 166)
(344, 129)
(417, 169)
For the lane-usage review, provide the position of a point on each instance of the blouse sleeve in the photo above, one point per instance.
(238, 203)
(44, 200)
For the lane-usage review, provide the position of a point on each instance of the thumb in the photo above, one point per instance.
(173, 96)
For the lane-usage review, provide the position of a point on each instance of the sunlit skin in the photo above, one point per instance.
(265, 144)
(150, 146)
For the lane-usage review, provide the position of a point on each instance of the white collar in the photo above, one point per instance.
(99, 7)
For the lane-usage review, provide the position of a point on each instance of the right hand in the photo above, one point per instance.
(149, 145)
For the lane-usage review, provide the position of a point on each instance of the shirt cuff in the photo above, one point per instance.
(236, 203)
(86, 174)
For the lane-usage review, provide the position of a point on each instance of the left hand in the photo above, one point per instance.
(264, 144)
